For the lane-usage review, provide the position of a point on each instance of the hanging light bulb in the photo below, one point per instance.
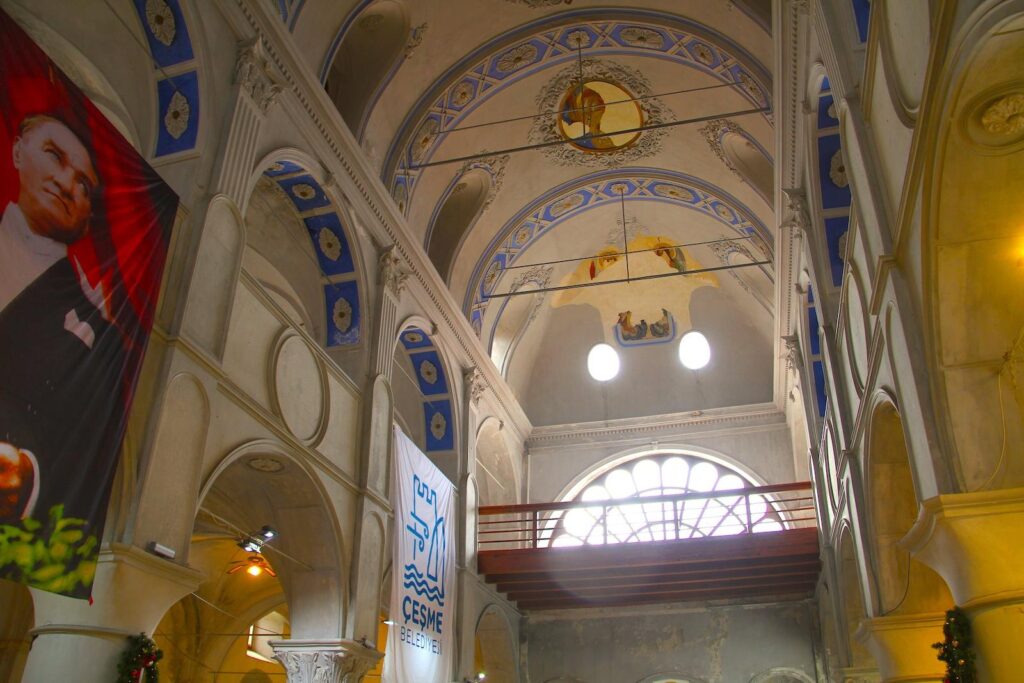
(694, 350)
(603, 362)
(254, 570)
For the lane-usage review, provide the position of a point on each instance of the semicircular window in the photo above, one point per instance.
(599, 116)
(621, 515)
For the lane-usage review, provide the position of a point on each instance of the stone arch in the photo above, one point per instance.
(455, 214)
(422, 377)
(82, 72)
(263, 483)
(972, 254)
(364, 57)
(904, 585)
(333, 287)
(462, 89)
(494, 648)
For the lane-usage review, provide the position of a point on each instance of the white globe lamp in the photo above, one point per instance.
(694, 350)
(603, 362)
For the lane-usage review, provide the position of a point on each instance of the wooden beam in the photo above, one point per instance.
(666, 580)
(687, 552)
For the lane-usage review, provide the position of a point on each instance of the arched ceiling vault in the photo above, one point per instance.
(476, 129)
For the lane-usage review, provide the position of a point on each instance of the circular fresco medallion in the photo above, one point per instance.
(593, 116)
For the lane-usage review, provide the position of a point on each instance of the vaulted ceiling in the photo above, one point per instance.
(506, 131)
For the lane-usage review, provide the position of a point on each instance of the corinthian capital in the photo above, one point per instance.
(254, 75)
(475, 384)
(339, 661)
(796, 203)
(392, 275)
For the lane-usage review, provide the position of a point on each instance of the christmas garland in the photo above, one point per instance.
(956, 650)
(139, 657)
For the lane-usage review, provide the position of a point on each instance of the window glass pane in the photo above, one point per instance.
(663, 475)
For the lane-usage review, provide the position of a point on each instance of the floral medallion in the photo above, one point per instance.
(177, 115)
(642, 37)
(837, 170)
(438, 426)
(330, 245)
(160, 20)
(342, 315)
(428, 371)
(517, 58)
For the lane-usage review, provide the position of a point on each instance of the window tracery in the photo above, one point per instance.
(620, 516)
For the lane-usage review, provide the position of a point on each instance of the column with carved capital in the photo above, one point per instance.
(219, 253)
(324, 661)
(378, 417)
(256, 90)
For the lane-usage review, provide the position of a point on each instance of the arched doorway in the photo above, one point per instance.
(494, 654)
(291, 585)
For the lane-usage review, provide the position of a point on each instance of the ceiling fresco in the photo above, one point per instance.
(581, 174)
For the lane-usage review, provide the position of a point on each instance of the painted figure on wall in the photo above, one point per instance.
(83, 240)
(654, 305)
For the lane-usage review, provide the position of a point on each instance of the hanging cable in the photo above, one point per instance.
(587, 137)
(574, 109)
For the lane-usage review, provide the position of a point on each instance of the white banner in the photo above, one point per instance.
(422, 635)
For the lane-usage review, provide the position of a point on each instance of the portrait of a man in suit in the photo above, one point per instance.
(60, 355)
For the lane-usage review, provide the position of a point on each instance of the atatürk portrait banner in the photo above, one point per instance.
(84, 231)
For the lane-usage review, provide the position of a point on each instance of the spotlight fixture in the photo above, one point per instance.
(254, 542)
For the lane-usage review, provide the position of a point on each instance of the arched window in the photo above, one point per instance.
(618, 517)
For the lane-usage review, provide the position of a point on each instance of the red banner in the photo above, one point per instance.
(83, 239)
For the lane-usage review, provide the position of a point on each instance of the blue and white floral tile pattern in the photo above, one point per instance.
(833, 182)
(177, 76)
(430, 375)
(331, 245)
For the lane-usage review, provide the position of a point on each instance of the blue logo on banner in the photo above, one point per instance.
(426, 573)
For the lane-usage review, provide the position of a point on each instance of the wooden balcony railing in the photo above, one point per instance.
(673, 517)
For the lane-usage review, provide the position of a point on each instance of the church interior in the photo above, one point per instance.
(581, 253)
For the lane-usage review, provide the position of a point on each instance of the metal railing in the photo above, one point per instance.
(760, 509)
